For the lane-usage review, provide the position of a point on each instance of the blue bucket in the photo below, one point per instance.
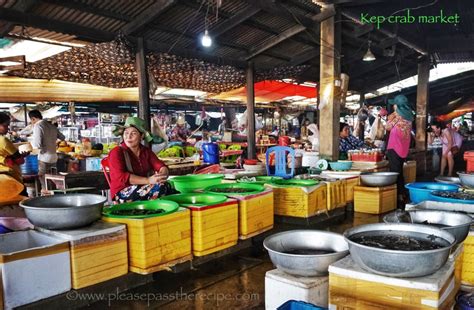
(210, 153)
(30, 166)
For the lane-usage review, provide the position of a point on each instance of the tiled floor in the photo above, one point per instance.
(232, 282)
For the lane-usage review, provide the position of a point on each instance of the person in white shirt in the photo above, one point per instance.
(45, 136)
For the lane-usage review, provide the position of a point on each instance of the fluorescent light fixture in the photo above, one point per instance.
(206, 39)
(369, 56)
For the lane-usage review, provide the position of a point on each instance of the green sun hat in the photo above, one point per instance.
(404, 108)
(137, 123)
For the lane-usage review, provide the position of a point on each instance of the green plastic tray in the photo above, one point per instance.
(193, 182)
(295, 182)
(249, 188)
(197, 199)
(167, 205)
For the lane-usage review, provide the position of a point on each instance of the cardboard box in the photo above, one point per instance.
(34, 266)
(98, 252)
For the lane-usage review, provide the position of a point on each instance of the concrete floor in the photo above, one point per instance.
(233, 282)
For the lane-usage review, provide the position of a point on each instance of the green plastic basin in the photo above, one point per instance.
(166, 205)
(196, 199)
(295, 182)
(193, 182)
(235, 189)
(261, 180)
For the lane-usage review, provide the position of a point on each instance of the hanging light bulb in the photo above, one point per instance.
(369, 56)
(206, 39)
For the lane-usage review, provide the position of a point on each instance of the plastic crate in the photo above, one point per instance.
(298, 305)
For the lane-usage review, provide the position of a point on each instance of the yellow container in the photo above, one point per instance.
(156, 243)
(456, 256)
(255, 213)
(336, 194)
(350, 184)
(467, 273)
(350, 287)
(98, 252)
(298, 201)
(215, 227)
(409, 171)
(375, 200)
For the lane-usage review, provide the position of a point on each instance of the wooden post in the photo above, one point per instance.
(422, 94)
(329, 94)
(143, 92)
(361, 132)
(26, 114)
(251, 149)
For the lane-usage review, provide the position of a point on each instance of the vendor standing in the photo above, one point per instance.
(180, 133)
(10, 158)
(45, 136)
(347, 142)
(399, 124)
(136, 173)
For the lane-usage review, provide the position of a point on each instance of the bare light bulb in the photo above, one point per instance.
(206, 40)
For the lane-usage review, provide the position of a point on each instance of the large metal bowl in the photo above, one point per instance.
(378, 179)
(449, 180)
(467, 179)
(306, 265)
(457, 223)
(64, 211)
(396, 263)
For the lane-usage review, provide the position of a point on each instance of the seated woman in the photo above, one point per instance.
(347, 141)
(136, 173)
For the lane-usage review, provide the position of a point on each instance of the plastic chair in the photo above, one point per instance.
(281, 153)
(104, 163)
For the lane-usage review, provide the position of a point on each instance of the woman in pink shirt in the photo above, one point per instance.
(399, 124)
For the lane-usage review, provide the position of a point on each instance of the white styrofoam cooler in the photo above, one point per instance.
(281, 287)
(34, 266)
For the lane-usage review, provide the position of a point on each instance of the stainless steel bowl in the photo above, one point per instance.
(457, 223)
(467, 179)
(395, 263)
(449, 180)
(306, 265)
(379, 178)
(64, 211)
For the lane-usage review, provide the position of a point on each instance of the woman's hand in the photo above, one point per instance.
(154, 179)
(162, 175)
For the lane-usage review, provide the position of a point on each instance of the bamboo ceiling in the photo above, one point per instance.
(112, 65)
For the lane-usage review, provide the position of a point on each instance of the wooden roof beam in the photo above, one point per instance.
(420, 49)
(316, 19)
(304, 57)
(41, 22)
(275, 8)
(83, 7)
(147, 16)
(20, 6)
(452, 43)
(233, 21)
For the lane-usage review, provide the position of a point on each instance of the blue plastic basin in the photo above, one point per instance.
(421, 191)
(298, 305)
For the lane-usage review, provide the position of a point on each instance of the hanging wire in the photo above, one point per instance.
(187, 27)
(415, 8)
